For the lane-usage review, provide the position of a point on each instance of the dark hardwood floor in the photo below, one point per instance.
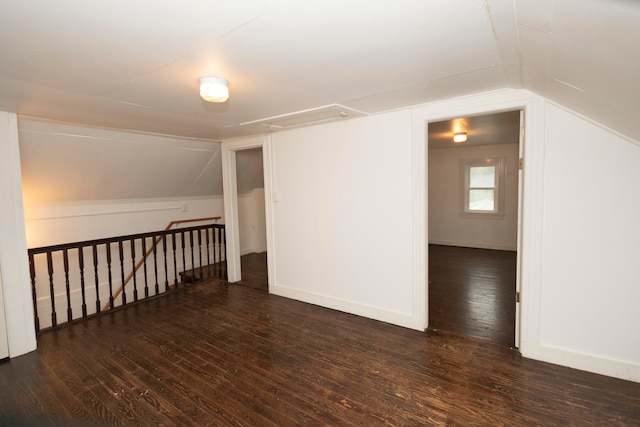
(472, 292)
(254, 271)
(215, 353)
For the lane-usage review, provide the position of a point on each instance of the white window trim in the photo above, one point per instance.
(465, 165)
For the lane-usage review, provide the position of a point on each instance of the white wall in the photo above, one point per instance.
(66, 222)
(339, 183)
(4, 344)
(251, 219)
(259, 225)
(14, 267)
(342, 224)
(446, 225)
(589, 313)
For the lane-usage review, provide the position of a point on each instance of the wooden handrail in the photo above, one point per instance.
(182, 221)
(149, 252)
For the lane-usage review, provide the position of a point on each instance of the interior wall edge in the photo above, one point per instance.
(598, 364)
(407, 320)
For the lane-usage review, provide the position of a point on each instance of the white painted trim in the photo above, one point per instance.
(4, 343)
(230, 188)
(85, 211)
(232, 226)
(419, 220)
(406, 320)
(531, 239)
(16, 282)
(586, 362)
(47, 211)
(530, 235)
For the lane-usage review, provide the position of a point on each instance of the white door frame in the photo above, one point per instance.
(4, 343)
(529, 235)
(228, 151)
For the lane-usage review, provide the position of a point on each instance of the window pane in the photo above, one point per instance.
(481, 200)
(482, 176)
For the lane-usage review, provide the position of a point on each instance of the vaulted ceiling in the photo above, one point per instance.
(136, 64)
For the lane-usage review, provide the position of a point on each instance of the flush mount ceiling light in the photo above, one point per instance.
(459, 137)
(214, 89)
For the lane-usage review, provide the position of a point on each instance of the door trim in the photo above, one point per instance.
(228, 151)
(529, 229)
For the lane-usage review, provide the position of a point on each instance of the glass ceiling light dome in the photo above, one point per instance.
(214, 89)
(459, 137)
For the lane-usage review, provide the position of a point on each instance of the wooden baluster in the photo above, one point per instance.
(224, 242)
(54, 319)
(184, 265)
(108, 248)
(32, 272)
(82, 290)
(223, 252)
(193, 266)
(144, 267)
(124, 292)
(175, 262)
(155, 265)
(166, 270)
(200, 252)
(206, 235)
(218, 259)
(95, 275)
(215, 258)
(65, 263)
(133, 269)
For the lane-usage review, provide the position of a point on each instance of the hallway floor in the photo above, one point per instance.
(472, 292)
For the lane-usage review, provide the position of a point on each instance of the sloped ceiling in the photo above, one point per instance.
(107, 92)
(63, 163)
(136, 64)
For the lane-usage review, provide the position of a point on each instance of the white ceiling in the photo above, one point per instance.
(497, 128)
(135, 64)
(67, 163)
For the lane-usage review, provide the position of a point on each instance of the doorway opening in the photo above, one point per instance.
(473, 200)
(241, 176)
(251, 218)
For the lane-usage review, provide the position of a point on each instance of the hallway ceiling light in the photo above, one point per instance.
(459, 137)
(214, 89)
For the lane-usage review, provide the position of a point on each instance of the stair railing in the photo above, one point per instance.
(149, 252)
(70, 276)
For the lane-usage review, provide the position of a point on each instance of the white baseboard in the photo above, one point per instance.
(474, 245)
(401, 319)
(583, 361)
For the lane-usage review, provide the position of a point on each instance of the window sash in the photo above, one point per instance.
(483, 200)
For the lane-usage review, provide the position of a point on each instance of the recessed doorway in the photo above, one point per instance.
(473, 217)
(251, 218)
(230, 150)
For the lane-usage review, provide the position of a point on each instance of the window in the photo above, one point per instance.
(482, 187)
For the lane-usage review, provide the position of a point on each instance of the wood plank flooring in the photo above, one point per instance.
(254, 271)
(472, 292)
(217, 354)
